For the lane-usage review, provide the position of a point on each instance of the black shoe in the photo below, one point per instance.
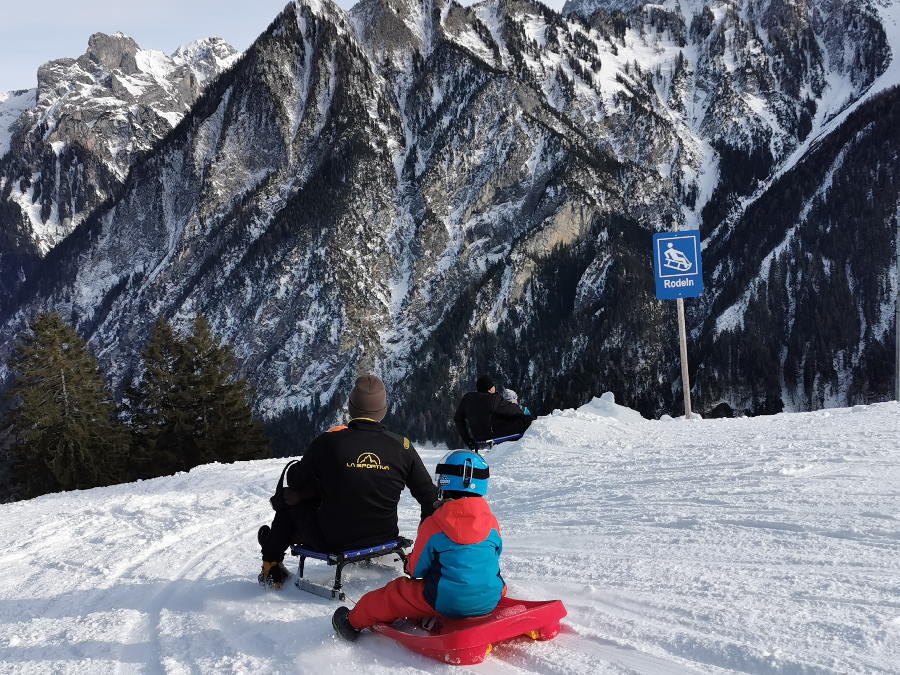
(341, 622)
(262, 536)
(273, 575)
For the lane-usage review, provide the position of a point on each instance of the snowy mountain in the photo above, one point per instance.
(430, 190)
(66, 146)
(762, 545)
(797, 240)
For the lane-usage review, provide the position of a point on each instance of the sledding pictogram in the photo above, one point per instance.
(675, 259)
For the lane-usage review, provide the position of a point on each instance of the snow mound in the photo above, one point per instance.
(606, 406)
(581, 427)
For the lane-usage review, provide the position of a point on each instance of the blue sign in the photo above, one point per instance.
(676, 265)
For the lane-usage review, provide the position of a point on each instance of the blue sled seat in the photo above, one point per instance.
(340, 560)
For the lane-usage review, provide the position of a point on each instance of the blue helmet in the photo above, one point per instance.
(463, 471)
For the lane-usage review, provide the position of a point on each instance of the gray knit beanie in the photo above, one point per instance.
(368, 399)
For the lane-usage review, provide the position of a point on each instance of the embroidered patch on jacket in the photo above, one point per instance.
(368, 460)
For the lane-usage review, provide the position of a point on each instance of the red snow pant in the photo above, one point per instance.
(401, 599)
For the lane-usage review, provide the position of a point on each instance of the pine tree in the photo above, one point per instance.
(158, 422)
(224, 428)
(63, 420)
(189, 407)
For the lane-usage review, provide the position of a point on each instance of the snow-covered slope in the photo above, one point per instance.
(764, 545)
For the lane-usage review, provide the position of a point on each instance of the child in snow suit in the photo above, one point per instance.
(455, 563)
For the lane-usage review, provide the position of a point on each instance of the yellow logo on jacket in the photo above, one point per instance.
(368, 460)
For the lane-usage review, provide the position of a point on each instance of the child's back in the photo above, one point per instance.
(457, 553)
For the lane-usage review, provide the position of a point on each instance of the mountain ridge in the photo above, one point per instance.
(67, 145)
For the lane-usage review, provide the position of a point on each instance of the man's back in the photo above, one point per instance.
(359, 473)
(345, 489)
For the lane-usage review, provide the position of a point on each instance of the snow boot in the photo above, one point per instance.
(341, 622)
(273, 574)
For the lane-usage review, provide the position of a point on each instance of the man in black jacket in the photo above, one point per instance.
(344, 491)
(484, 414)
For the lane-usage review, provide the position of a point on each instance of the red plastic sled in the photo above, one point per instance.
(463, 642)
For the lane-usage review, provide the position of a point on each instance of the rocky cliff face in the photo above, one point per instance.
(793, 99)
(430, 191)
(66, 146)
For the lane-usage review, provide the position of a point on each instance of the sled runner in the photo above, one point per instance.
(341, 560)
(490, 443)
(463, 642)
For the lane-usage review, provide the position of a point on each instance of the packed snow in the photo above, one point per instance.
(766, 544)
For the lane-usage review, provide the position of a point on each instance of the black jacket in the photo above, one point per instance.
(354, 475)
(482, 416)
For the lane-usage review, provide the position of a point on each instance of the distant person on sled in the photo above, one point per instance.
(484, 414)
(455, 564)
(343, 493)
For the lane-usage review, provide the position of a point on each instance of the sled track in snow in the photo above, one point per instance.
(148, 622)
(151, 611)
(571, 653)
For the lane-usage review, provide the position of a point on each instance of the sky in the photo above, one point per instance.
(61, 28)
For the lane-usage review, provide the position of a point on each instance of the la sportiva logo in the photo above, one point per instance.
(368, 460)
